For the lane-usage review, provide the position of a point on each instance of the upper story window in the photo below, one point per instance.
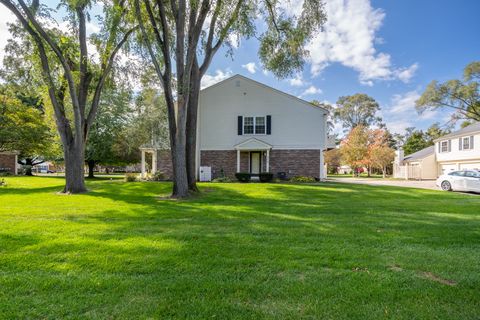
(259, 125)
(465, 143)
(254, 125)
(444, 146)
(248, 125)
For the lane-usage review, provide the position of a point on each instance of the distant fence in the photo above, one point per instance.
(407, 172)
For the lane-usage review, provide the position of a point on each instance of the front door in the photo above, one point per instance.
(255, 162)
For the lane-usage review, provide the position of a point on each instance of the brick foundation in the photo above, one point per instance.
(164, 163)
(293, 162)
(7, 163)
(221, 159)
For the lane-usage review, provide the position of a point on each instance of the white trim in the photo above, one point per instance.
(263, 145)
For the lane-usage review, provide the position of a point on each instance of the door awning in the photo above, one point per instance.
(253, 144)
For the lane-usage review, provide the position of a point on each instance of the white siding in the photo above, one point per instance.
(295, 124)
(456, 154)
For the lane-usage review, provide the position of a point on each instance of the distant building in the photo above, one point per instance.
(455, 151)
(9, 162)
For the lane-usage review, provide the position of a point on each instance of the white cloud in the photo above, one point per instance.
(401, 112)
(349, 38)
(251, 67)
(297, 82)
(406, 74)
(311, 91)
(404, 103)
(219, 75)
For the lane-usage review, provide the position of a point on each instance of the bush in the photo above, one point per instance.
(130, 177)
(157, 176)
(243, 176)
(222, 179)
(5, 173)
(265, 176)
(302, 179)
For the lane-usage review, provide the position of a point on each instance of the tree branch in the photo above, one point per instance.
(101, 82)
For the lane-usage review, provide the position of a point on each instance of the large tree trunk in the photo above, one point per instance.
(74, 168)
(91, 167)
(28, 167)
(192, 127)
(180, 179)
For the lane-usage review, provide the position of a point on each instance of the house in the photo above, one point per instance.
(420, 165)
(459, 150)
(246, 126)
(455, 151)
(8, 162)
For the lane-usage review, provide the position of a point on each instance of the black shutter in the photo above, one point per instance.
(269, 124)
(471, 143)
(449, 145)
(240, 125)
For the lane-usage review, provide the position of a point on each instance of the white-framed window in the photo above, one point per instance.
(444, 146)
(248, 125)
(466, 143)
(254, 125)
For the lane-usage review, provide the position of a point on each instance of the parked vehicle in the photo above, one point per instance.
(464, 180)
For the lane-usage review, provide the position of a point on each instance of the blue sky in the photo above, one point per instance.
(387, 49)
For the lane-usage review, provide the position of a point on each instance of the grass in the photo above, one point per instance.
(239, 251)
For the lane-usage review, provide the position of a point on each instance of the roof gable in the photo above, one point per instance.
(238, 76)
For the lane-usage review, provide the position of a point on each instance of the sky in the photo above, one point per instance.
(388, 49)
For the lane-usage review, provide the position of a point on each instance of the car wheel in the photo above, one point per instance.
(446, 186)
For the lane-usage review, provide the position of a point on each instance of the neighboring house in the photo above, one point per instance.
(45, 167)
(459, 150)
(246, 126)
(455, 151)
(420, 165)
(8, 162)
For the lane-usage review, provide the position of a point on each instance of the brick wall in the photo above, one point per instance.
(221, 159)
(164, 163)
(7, 161)
(295, 162)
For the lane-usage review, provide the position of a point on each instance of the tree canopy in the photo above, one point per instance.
(72, 76)
(460, 96)
(357, 109)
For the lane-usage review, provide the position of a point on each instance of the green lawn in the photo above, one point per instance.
(240, 251)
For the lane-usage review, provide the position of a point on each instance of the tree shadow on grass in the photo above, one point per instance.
(258, 251)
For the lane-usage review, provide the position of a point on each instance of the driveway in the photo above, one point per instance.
(423, 184)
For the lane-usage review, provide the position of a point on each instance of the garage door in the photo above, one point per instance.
(475, 165)
(446, 168)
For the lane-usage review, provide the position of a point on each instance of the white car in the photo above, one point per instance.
(464, 180)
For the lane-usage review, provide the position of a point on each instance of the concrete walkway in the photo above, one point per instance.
(424, 184)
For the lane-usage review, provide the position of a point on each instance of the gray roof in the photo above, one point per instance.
(473, 128)
(420, 154)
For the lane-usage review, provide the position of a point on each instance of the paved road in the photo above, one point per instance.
(424, 184)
